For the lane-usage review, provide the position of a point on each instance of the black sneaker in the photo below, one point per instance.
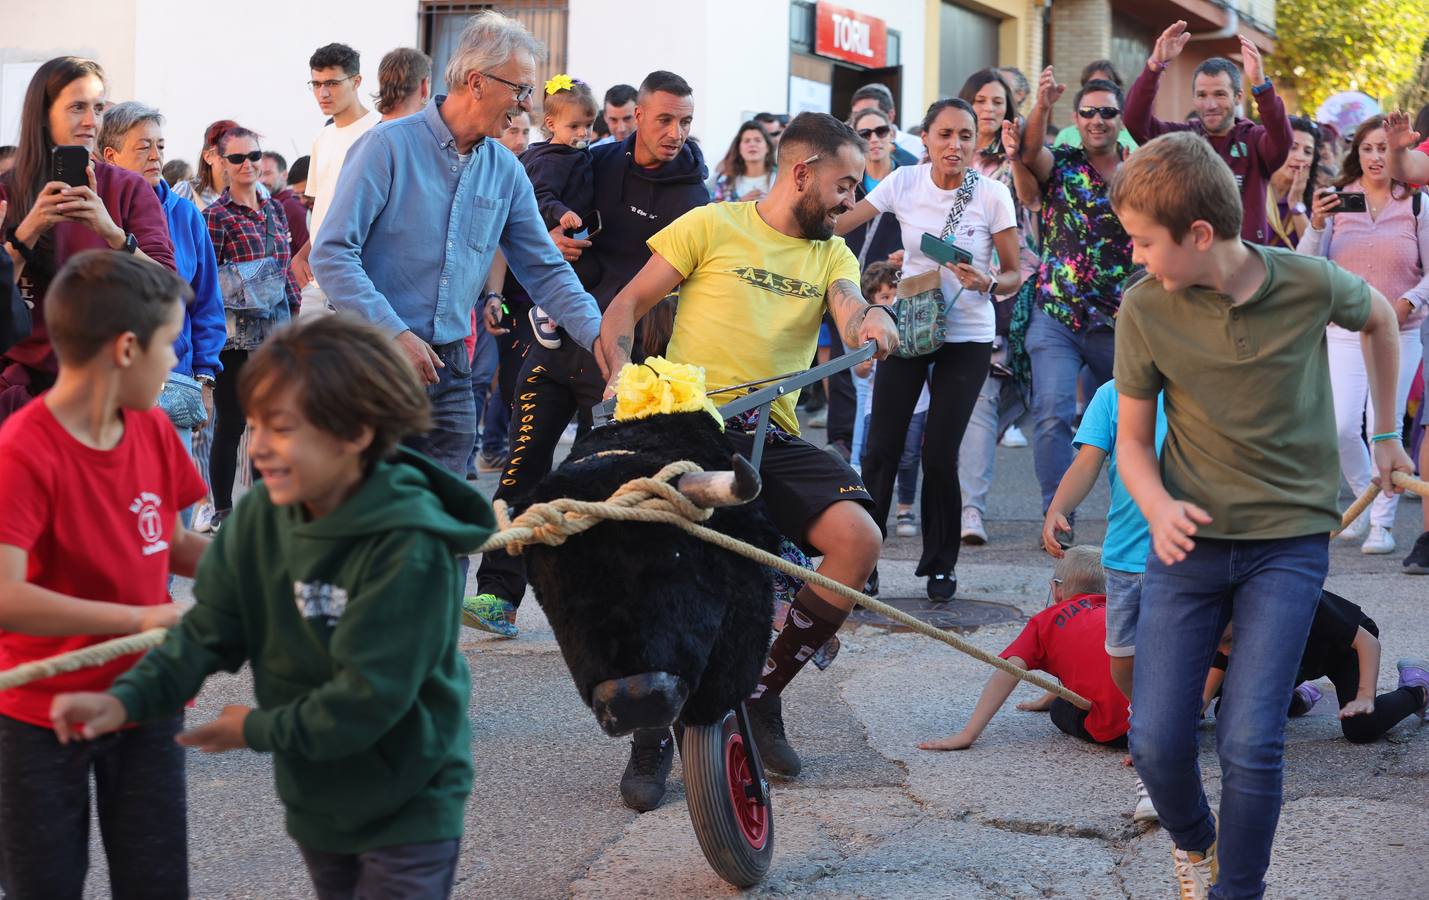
(870, 587)
(652, 752)
(942, 587)
(1417, 562)
(766, 720)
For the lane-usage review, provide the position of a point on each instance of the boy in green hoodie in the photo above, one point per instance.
(337, 578)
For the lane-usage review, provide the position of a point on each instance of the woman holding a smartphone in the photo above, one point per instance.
(60, 202)
(967, 216)
(1377, 228)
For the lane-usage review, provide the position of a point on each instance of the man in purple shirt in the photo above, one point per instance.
(1252, 151)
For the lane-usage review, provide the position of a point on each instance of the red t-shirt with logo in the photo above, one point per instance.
(1068, 642)
(95, 524)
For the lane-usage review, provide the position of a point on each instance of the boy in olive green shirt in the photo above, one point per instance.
(1241, 505)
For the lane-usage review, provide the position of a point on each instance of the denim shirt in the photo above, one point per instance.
(412, 229)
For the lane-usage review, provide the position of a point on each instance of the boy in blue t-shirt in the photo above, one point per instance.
(1127, 542)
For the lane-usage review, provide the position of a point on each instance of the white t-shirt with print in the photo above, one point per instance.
(922, 207)
(329, 150)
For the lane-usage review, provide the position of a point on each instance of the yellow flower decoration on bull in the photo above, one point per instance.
(562, 82)
(659, 386)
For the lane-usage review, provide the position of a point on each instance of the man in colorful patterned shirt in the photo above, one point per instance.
(1085, 257)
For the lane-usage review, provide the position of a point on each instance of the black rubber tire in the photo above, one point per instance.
(717, 825)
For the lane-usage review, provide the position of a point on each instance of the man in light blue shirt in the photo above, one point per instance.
(421, 207)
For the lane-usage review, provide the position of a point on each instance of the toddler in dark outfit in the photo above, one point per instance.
(560, 173)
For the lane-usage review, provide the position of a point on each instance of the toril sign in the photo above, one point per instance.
(851, 36)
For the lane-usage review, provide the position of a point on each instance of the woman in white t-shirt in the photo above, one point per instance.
(946, 199)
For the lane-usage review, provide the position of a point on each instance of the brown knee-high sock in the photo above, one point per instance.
(812, 620)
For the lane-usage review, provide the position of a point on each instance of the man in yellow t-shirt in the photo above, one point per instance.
(754, 280)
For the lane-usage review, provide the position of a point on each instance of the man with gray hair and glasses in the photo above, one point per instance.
(422, 205)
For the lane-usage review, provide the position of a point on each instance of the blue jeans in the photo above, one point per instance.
(1269, 590)
(1058, 354)
(453, 431)
(495, 423)
(483, 371)
(999, 405)
(911, 459)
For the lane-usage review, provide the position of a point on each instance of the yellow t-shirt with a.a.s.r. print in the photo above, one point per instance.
(752, 299)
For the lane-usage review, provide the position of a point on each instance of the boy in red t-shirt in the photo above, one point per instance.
(1067, 640)
(92, 479)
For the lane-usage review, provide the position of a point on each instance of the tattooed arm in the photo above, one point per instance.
(657, 280)
(857, 321)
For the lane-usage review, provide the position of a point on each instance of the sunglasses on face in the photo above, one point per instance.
(1091, 112)
(238, 158)
(881, 132)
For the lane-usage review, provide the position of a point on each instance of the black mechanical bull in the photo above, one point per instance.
(655, 624)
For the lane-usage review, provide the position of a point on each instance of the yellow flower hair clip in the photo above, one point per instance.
(660, 386)
(560, 82)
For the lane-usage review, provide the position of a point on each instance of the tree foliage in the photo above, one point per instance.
(1328, 46)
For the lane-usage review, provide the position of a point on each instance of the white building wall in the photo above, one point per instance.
(734, 53)
(201, 60)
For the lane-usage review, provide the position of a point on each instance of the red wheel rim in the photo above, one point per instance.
(752, 815)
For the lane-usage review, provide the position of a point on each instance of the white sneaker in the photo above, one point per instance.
(1195, 878)
(1358, 528)
(1145, 809)
(1013, 437)
(1380, 541)
(907, 524)
(973, 530)
(202, 518)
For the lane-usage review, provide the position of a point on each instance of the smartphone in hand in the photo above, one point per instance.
(69, 163)
(943, 252)
(1352, 202)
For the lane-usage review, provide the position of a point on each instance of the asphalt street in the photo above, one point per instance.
(1027, 812)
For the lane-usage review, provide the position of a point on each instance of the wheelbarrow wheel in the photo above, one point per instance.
(735, 830)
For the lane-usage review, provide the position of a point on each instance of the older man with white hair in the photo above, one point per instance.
(422, 205)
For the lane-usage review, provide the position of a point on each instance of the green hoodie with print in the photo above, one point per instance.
(351, 624)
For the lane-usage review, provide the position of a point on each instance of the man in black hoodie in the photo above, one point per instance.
(642, 184)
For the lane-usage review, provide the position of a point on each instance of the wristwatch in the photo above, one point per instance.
(1262, 87)
(131, 243)
(1298, 209)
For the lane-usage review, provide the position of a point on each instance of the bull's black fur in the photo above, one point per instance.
(627, 598)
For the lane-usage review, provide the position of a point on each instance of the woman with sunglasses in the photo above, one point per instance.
(47, 221)
(947, 198)
(207, 182)
(245, 225)
(747, 170)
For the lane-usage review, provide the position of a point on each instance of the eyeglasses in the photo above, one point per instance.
(330, 84)
(881, 132)
(238, 158)
(774, 135)
(1091, 112)
(523, 91)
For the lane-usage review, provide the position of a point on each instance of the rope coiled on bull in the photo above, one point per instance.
(655, 500)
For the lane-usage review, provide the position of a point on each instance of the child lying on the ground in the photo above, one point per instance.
(1067, 641)
(1344, 647)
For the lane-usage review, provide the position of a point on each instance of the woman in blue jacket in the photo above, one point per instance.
(132, 138)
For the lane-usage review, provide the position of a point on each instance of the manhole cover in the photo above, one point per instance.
(954, 615)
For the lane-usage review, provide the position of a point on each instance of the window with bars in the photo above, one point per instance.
(441, 24)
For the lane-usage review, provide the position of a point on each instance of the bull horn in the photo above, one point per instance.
(712, 490)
